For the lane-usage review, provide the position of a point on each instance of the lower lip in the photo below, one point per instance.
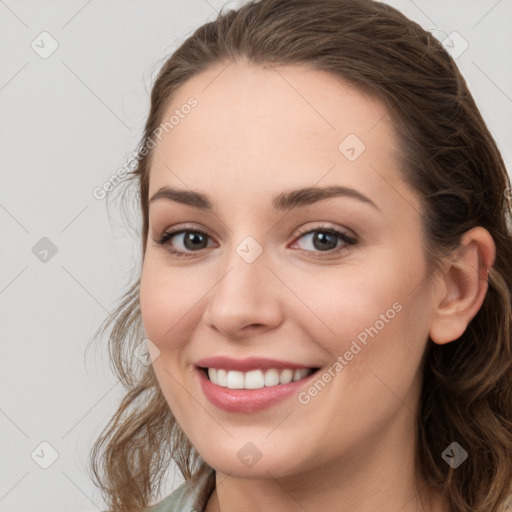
(248, 400)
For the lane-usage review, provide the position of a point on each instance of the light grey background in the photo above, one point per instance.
(68, 122)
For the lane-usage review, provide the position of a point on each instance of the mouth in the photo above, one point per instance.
(254, 389)
(256, 378)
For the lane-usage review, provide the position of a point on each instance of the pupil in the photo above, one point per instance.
(322, 238)
(193, 238)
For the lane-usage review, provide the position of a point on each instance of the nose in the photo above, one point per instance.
(246, 299)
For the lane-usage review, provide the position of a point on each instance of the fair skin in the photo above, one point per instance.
(255, 133)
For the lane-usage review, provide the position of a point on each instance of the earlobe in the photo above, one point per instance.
(460, 291)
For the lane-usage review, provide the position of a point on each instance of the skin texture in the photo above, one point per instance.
(257, 132)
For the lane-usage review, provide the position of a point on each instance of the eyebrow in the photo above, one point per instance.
(283, 201)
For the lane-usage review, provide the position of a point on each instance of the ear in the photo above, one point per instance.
(461, 290)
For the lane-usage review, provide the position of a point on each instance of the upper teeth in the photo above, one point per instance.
(255, 379)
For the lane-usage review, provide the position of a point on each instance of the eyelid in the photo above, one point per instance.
(181, 227)
(175, 230)
(299, 232)
(325, 227)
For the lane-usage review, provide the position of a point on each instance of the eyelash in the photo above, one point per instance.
(348, 240)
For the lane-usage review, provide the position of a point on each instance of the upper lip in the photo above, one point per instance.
(250, 363)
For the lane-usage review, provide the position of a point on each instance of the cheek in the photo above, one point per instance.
(164, 309)
(164, 300)
(154, 297)
(337, 307)
(370, 320)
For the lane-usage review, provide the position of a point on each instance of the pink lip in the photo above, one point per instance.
(245, 365)
(248, 400)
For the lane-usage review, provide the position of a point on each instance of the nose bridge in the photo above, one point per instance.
(246, 271)
(244, 294)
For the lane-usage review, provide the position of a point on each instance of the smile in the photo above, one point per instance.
(267, 390)
(255, 379)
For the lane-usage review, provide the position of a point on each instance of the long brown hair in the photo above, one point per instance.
(448, 157)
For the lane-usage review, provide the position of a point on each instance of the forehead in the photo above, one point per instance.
(263, 130)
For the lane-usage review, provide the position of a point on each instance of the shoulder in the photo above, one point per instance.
(190, 496)
(174, 501)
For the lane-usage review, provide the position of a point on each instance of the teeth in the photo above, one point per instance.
(271, 378)
(235, 380)
(221, 377)
(255, 379)
(285, 376)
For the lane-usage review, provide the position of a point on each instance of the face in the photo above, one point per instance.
(273, 280)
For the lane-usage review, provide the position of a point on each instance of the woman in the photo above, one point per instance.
(325, 287)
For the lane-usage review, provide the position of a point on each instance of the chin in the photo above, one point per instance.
(246, 460)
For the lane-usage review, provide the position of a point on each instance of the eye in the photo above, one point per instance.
(324, 239)
(191, 240)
